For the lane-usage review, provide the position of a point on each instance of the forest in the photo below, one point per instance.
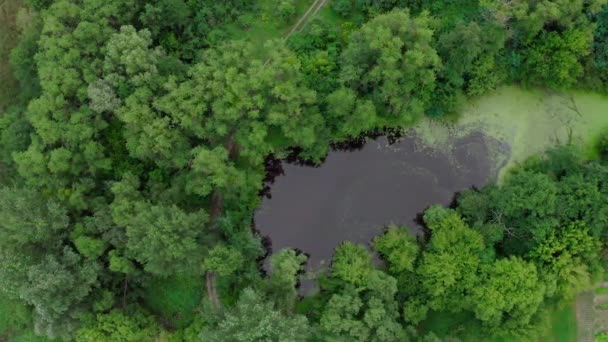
(135, 137)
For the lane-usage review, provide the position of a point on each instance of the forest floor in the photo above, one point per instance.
(8, 39)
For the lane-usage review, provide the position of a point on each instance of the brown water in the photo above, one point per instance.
(354, 195)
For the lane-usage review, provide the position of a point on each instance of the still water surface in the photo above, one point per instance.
(354, 195)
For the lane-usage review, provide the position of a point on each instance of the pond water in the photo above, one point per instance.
(354, 195)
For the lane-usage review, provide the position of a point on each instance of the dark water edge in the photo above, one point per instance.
(364, 186)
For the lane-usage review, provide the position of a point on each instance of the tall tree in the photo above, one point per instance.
(253, 318)
(390, 60)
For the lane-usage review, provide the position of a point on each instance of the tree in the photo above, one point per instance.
(164, 238)
(368, 313)
(223, 260)
(555, 59)
(349, 116)
(28, 221)
(285, 267)
(351, 264)
(265, 102)
(464, 50)
(509, 294)
(390, 60)
(132, 325)
(571, 256)
(56, 286)
(399, 248)
(524, 206)
(67, 157)
(253, 318)
(448, 270)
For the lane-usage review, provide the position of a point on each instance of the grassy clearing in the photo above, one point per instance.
(264, 24)
(462, 325)
(175, 300)
(563, 325)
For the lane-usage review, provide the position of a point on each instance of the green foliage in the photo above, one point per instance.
(90, 247)
(523, 206)
(399, 248)
(253, 318)
(390, 60)
(509, 295)
(366, 313)
(56, 286)
(133, 325)
(352, 264)
(449, 265)
(162, 238)
(28, 220)
(223, 260)
(135, 152)
(285, 266)
(555, 59)
(570, 255)
(15, 317)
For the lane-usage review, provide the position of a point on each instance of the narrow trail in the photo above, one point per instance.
(310, 12)
(211, 280)
(585, 316)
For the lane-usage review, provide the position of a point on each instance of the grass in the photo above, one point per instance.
(464, 326)
(16, 322)
(601, 290)
(263, 25)
(563, 325)
(175, 299)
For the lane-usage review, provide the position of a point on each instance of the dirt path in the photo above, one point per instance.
(310, 12)
(585, 316)
(211, 289)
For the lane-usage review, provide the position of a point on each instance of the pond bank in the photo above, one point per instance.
(354, 195)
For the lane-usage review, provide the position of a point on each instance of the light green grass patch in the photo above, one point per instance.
(563, 325)
(528, 121)
(264, 24)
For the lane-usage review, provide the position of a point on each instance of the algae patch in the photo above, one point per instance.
(527, 121)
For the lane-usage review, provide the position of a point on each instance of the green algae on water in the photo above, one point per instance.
(527, 121)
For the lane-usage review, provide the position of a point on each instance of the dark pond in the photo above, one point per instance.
(354, 195)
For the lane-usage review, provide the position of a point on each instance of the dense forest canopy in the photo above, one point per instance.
(133, 141)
